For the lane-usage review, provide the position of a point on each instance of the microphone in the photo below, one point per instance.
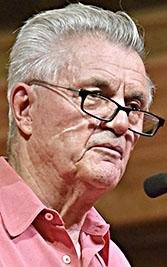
(156, 185)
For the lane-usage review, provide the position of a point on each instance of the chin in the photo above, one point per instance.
(102, 177)
(101, 172)
(105, 182)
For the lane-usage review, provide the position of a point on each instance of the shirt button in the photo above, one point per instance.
(49, 216)
(66, 259)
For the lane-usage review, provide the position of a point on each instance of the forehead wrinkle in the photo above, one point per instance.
(111, 79)
(119, 67)
(124, 76)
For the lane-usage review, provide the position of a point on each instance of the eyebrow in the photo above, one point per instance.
(95, 81)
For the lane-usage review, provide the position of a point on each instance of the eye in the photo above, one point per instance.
(92, 101)
(134, 105)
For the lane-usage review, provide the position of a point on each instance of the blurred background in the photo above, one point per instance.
(138, 223)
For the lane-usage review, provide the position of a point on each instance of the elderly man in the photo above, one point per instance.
(79, 98)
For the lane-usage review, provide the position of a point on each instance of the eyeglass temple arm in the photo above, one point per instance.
(50, 86)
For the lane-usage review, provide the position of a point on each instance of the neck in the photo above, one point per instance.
(70, 197)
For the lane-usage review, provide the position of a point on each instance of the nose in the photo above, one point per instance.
(119, 125)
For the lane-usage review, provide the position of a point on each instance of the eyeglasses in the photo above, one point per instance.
(105, 109)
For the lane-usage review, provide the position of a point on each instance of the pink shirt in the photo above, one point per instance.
(33, 235)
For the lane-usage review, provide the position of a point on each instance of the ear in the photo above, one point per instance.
(22, 99)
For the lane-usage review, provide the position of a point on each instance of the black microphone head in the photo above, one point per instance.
(156, 185)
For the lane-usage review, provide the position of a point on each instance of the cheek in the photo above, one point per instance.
(68, 145)
(72, 139)
(62, 148)
(59, 121)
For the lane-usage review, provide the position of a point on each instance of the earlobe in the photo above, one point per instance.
(21, 102)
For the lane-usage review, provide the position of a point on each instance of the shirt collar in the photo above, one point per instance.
(94, 224)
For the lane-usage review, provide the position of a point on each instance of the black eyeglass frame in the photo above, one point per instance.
(83, 93)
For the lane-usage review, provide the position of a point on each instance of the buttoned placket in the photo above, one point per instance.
(50, 218)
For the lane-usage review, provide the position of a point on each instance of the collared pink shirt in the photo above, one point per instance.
(33, 235)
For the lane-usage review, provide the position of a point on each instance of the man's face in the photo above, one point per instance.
(73, 145)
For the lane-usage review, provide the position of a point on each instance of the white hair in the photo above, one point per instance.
(42, 37)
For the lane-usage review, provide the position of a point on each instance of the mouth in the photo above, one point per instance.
(111, 148)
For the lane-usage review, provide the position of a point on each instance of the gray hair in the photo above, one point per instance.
(32, 54)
